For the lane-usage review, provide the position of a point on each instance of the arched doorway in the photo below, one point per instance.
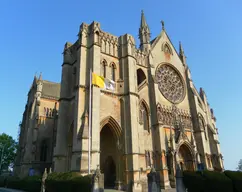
(185, 158)
(108, 156)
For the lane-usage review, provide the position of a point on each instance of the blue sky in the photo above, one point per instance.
(33, 34)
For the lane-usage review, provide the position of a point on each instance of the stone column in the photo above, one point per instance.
(164, 175)
(179, 180)
(79, 160)
(95, 61)
(63, 124)
(130, 101)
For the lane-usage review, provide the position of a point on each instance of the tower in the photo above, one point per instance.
(144, 34)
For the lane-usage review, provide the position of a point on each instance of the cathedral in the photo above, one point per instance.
(155, 118)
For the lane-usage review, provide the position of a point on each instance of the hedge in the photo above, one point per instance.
(70, 181)
(216, 181)
(28, 184)
(193, 181)
(212, 181)
(236, 178)
(3, 181)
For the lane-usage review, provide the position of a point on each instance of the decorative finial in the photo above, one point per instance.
(163, 25)
(180, 48)
(40, 76)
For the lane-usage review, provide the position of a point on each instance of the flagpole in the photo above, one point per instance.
(90, 122)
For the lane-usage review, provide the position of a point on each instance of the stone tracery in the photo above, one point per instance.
(170, 83)
(165, 116)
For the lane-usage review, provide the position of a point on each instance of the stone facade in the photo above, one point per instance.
(154, 118)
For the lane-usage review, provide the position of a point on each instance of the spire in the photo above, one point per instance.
(182, 54)
(144, 33)
(143, 23)
(40, 76)
(163, 25)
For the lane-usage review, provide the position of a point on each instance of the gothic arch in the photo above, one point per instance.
(113, 64)
(186, 156)
(142, 101)
(115, 127)
(188, 145)
(166, 48)
(141, 77)
(113, 67)
(44, 149)
(103, 71)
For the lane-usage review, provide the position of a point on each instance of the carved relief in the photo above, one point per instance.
(165, 116)
(109, 44)
(166, 48)
(170, 83)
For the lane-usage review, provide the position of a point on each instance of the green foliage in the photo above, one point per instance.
(210, 181)
(216, 181)
(236, 177)
(28, 184)
(3, 181)
(239, 168)
(8, 149)
(70, 181)
(193, 181)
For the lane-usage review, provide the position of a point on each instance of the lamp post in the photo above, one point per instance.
(118, 182)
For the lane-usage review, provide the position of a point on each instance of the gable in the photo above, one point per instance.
(163, 51)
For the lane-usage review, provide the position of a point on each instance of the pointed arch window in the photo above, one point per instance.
(113, 71)
(43, 151)
(140, 77)
(144, 116)
(147, 159)
(104, 68)
(167, 49)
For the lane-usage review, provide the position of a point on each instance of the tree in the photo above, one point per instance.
(239, 168)
(8, 149)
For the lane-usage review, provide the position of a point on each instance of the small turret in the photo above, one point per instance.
(67, 55)
(39, 83)
(144, 34)
(182, 54)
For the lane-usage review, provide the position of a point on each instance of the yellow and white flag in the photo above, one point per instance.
(109, 84)
(102, 82)
(98, 80)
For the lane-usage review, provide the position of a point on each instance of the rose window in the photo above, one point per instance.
(170, 83)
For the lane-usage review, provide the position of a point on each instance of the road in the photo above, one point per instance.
(8, 190)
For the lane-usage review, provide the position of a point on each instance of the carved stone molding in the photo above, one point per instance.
(165, 116)
(170, 83)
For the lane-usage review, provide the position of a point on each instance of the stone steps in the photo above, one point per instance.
(168, 190)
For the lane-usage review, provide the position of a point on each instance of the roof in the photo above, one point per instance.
(51, 90)
(153, 41)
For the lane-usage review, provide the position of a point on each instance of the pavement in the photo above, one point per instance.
(105, 190)
(9, 190)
